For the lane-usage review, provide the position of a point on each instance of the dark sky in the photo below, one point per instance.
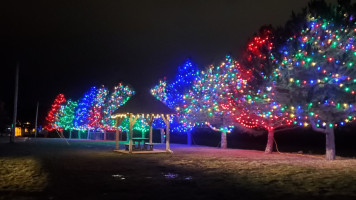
(69, 46)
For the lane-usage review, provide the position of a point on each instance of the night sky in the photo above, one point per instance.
(69, 46)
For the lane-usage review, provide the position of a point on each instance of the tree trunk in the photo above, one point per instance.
(70, 134)
(269, 146)
(105, 135)
(223, 140)
(189, 138)
(330, 143)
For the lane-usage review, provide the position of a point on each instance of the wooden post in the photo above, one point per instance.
(117, 136)
(130, 133)
(166, 121)
(150, 122)
(118, 122)
(132, 121)
(167, 135)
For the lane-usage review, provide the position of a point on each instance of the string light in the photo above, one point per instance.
(52, 116)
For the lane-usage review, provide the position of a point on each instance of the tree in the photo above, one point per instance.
(172, 95)
(318, 73)
(95, 113)
(117, 98)
(52, 116)
(261, 110)
(256, 59)
(257, 105)
(206, 102)
(66, 115)
(81, 119)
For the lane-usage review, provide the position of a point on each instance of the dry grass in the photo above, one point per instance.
(91, 170)
(21, 174)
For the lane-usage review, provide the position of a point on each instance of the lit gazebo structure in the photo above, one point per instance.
(142, 105)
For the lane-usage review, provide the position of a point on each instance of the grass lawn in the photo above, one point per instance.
(51, 169)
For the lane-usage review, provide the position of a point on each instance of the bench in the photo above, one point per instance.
(149, 145)
(127, 146)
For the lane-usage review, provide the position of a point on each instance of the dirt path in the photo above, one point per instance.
(50, 169)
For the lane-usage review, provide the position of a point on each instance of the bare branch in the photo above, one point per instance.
(317, 129)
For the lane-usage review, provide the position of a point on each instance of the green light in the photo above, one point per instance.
(334, 44)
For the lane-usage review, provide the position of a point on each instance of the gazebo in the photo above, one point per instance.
(142, 105)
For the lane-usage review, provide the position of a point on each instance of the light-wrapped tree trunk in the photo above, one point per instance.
(189, 138)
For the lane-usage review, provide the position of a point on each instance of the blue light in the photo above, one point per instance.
(82, 112)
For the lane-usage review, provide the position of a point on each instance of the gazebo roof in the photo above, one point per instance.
(143, 103)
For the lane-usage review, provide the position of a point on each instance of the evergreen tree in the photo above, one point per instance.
(95, 113)
(117, 98)
(81, 119)
(318, 73)
(52, 116)
(66, 115)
